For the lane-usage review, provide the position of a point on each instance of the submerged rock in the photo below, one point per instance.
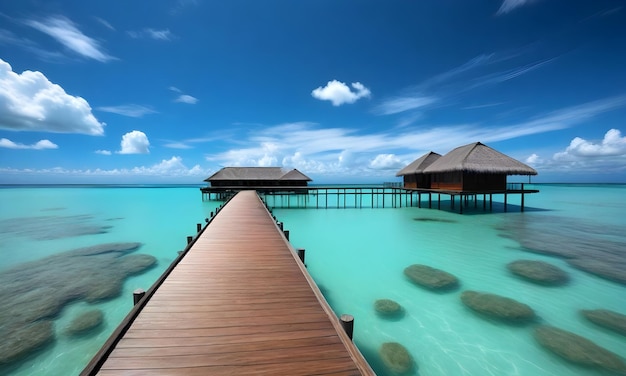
(538, 272)
(49, 227)
(610, 269)
(499, 307)
(607, 319)
(396, 357)
(578, 350)
(34, 292)
(587, 246)
(387, 307)
(431, 278)
(133, 264)
(85, 323)
(22, 340)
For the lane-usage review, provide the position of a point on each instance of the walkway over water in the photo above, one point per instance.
(390, 195)
(238, 302)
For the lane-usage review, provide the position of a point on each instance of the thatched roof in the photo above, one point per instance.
(418, 165)
(257, 173)
(480, 158)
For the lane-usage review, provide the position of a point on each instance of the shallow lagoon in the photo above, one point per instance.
(356, 256)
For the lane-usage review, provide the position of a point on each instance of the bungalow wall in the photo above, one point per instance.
(258, 183)
(417, 181)
(468, 181)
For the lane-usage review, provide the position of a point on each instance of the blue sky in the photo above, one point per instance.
(345, 91)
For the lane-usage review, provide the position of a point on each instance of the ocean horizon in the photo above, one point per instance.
(356, 256)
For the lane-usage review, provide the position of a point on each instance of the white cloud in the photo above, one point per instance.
(533, 159)
(387, 162)
(613, 144)
(155, 34)
(135, 142)
(350, 152)
(184, 98)
(339, 93)
(29, 102)
(509, 5)
(401, 104)
(40, 145)
(131, 110)
(103, 152)
(166, 168)
(66, 33)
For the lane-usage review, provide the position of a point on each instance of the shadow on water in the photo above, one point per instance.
(478, 209)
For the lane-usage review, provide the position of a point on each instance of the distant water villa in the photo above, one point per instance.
(467, 171)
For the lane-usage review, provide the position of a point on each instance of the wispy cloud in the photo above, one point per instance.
(65, 32)
(105, 23)
(339, 93)
(509, 5)
(401, 104)
(103, 152)
(439, 89)
(479, 106)
(347, 151)
(8, 37)
(39, 145)
(164, 35)
(189, 143)
(130, 110)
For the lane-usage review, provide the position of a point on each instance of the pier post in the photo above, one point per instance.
(300, 252)
(198, 227)
(137, 295)
(280, 226)
(347, 323)
(286, 232)
(189, 239)
(505, 208)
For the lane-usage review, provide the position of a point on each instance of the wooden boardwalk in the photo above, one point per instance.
(239, 302)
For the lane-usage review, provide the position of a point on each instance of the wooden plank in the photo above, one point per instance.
(239, 302)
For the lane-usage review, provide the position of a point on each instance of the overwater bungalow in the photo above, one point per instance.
(467, 171)
(263, 179)
(474, 167)
(414, 176)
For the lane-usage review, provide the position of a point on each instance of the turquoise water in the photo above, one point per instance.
(159, 218)
(356, 256)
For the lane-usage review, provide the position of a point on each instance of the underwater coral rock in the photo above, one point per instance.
(396, 357)
(496, 306)
(578, 350)
(431, 278)
(607, 319)
(538, 272)
(85, 322)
